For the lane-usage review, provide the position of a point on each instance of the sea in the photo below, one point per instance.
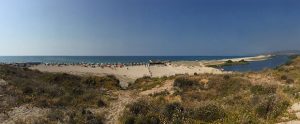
(252, 66)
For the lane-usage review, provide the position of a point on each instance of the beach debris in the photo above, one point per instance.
(123, 84)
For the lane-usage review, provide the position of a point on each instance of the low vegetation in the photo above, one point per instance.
(230, 63)
(231, 98)
(289, 75)
(223, 99)
(146, 83)
(65, 95)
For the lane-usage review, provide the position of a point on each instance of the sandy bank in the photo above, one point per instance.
(248, 59)
(130, 72)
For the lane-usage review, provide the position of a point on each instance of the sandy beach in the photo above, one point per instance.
(130, 73)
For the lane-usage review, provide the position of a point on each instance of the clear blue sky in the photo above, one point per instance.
(148, 27)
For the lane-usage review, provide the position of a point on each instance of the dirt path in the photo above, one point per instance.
(115, 109)
(167, 86)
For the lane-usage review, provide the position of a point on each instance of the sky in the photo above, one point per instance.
(148, 27)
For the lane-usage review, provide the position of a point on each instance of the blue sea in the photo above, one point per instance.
(274, 62)
(253, 66)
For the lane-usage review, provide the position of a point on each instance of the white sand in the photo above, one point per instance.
(158, 71)
(254, 58)
(133, 72)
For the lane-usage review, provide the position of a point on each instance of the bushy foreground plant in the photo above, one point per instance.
(209, 113)
(185, 82)
(61, 93)
(271, 107)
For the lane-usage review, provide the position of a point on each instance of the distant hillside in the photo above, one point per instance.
(286, 52)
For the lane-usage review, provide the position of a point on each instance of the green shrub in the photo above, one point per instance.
(140, 107)
(77, 91)
(283, 77)
(130, 120)
(230, 87)
(178, 121)
(27, 90)
(242, 61)
(209, 113)
(63, 102)
(229, 61)
(83, 116)
(143, 79)
(147, 120)
(272, 107)
(163, 93)
(43, 103)
(54, 91)
(173, 110)
(60, 78)
(87, 96)
(90, 81)
(183, 82)
(92, 119)
(226, 77)
(262, 90)
(290, 81)
(111, 78)
(55, 115)
(109, 82)
(101, 103)
(41, 90)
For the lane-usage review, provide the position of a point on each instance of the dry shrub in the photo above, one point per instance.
(172, 111)
(184, 82)
(272, 107)
(139, 108)
(209, 113)
(263, 90)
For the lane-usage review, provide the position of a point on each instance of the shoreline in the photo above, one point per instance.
(129, 73)
(244, 59)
